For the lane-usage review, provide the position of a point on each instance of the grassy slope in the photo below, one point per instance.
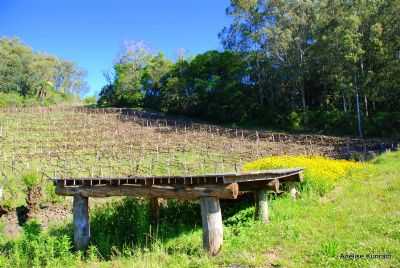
(359, 216)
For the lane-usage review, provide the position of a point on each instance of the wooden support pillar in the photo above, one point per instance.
(294, 193)
(155, 210)
(262, 212)
(212, 224)
(81, 222)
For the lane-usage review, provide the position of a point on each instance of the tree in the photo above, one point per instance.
(157, 67)
(326, 66)
(32, 74)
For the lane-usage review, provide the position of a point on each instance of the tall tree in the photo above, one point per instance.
(33, 74)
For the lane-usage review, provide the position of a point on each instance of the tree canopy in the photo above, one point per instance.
(30, 74)
(327, 65)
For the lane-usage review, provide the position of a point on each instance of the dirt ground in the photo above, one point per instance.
(46, 216)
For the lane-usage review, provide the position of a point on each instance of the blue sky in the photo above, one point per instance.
(91, 32)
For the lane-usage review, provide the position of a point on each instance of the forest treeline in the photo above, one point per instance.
(330, 66)
(31, 78)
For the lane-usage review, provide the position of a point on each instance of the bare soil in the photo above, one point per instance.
(46, 216)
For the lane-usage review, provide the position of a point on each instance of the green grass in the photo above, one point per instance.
(361, 215)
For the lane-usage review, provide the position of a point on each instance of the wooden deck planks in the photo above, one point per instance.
(223, 178)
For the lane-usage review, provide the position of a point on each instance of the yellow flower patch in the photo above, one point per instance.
(318, 170)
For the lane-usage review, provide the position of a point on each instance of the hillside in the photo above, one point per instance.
(232, 133)
(358, 216)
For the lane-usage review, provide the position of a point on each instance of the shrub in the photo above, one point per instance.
(90, 100)
(320, 173)
(12, 192)
(37, 249)
(294, 121)
(326, 121)
(383, 124)
(16, 100)
(10, 99)
(119, 224)
(50, 194)
(31, 179)
(31, 102)
(241, 218)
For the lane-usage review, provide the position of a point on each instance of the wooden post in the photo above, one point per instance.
(212, 224)
(154, 210)
(262, 213)
(294, 193)
(81, 222)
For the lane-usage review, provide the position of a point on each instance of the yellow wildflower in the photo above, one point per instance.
(318, 170)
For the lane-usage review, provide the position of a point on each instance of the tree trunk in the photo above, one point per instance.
(360, 133)
(260, 84)
(303, 90)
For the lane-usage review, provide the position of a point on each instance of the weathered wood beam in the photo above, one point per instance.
(81, 222)
(289, 174)
(298, 177)
(212, 224)
(262, 212)
(271, 185)
(185, 192)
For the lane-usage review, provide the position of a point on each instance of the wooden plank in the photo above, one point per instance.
(212, 224)
(185, 192)
(297, 177)
(218, 178)
(256, 176)
(81, 222)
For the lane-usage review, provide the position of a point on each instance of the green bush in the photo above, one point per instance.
(241, 218)
(10, 99)
(50, 194)
(383, 124)
(31, 102)
(31, 179)
(90, 100)
(178, 216)
(16, 100)
(294, 121)
(332, 121)
(37, 249)
(118, 224)
(13, 193)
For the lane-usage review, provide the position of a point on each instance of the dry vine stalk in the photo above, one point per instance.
(33, 197)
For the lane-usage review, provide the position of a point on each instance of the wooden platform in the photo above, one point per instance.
(209, 188)
(225, 186)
